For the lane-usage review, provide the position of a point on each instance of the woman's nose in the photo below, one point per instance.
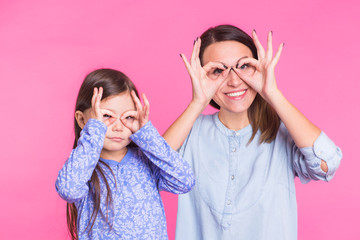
(233, 79)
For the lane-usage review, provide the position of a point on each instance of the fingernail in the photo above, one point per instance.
(283, 44)
(254, 30)
(180, 55)
(271, 32)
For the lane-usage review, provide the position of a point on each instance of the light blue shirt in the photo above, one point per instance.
(137, 211)
(246, 191)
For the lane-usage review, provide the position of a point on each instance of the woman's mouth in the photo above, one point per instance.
(236, 94)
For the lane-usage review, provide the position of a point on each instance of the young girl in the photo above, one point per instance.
(245, 156)
(119, 164)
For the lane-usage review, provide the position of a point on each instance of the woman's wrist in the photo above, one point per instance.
(273, 97)
(197, 106)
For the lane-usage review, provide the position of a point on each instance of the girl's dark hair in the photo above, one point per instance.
(113, 82)
(261, 115)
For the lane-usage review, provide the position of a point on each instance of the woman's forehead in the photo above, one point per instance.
(227, 52)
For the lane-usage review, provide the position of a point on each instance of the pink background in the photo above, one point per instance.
(47, 47)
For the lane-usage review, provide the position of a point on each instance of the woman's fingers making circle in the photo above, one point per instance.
(269, 50)
(187, 65)
(195, 52)
(277, 55)
(259, 47)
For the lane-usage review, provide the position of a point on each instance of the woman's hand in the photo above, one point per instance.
(98, 113)
(134, 120)
(205, 80)
(262, 80)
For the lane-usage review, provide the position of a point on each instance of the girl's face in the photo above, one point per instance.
(117, 135)
(234, 95)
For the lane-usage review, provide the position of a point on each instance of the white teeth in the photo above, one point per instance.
(236, 94)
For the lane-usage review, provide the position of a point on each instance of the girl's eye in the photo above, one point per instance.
(107, 116)
(129, 118)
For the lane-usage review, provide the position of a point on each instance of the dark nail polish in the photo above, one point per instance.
(271, 32)
(254, 30)
(283, 44)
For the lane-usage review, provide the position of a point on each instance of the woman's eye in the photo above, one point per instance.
(244, 66)
(129, 118)
(218, 71)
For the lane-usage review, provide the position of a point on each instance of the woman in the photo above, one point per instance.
(245, 156)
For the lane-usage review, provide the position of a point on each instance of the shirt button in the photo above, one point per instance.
(228, 202)
(233, 150)
(232, 177)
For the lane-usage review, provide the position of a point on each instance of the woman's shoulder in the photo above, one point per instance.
(205, 119)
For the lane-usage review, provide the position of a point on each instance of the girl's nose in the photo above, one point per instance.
(118, 125)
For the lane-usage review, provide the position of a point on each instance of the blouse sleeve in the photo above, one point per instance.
(72, 181)
(172, 173)
(307, 160)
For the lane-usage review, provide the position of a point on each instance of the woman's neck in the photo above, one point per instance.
(234, 121)
(114, 155)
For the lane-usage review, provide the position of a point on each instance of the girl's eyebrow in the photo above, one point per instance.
(109, 109)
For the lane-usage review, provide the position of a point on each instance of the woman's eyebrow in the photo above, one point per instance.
(242, 58)
(235, 62)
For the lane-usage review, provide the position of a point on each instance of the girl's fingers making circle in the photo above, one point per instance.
(134, 120)
(146, 108)
(130, 120)
(95, 103)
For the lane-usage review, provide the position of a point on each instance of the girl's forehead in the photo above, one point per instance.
(227, 52)
(118, 103)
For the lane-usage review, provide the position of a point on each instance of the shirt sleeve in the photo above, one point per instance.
(307, 160)
(72, 181)
(172, 173)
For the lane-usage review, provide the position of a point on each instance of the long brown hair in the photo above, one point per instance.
(261, 115)
(113, 82)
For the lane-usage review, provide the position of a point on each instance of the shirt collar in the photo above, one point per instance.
(228, 132)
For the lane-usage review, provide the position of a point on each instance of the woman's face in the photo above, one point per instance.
(234, 95)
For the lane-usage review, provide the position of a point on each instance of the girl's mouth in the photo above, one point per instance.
(116, 139)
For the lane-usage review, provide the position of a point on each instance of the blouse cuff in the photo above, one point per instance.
(326, 150)
(145, 134)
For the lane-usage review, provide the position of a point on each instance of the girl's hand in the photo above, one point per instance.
(134, 120)
(262, 80)
(205, 80)
(98, 113)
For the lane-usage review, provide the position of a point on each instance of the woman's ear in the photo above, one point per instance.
(80, 119)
